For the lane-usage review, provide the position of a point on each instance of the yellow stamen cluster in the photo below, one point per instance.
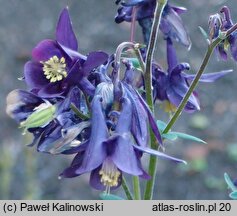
(169, 107)
(55, 69)
(109, 174)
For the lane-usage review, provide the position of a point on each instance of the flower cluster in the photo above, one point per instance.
(92, 106)
(221, 23)
(171, 23)
(169, 86)
(75, 105)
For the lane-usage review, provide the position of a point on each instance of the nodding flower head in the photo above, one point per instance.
(110, 153)
(171, 23)
(219, 23)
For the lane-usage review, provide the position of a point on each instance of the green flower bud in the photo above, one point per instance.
(42, 115)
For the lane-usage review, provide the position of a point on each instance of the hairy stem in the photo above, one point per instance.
(149, 97)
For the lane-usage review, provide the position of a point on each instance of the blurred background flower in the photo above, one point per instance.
(26, 174)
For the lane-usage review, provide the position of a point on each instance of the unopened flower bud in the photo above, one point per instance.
(42, 115)
(214, 26)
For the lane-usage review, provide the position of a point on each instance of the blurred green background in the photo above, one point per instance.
(26, 174)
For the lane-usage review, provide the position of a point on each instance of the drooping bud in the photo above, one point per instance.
(42, 115)
(214, 24)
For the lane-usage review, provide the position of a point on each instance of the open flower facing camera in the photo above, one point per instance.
(99, 107)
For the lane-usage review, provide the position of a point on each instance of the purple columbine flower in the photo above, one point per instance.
(67, 131)
(172, 85)
(57, 66)
(110, 153)
(217, 24)
(54, 125)
(171, 23)
(141, 114)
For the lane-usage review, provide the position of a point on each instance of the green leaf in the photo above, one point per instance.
(105, 196)
(161, 125)
(229, 182)
(233, 195)
(169, 136)
(187, 136)
(204, 33)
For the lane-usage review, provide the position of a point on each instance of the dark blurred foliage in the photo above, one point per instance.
(26, 174)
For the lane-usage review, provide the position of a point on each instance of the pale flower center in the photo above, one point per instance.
(109, 174)
(55, 68)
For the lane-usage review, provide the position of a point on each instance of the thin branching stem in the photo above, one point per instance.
(194, 83)
(149, 96)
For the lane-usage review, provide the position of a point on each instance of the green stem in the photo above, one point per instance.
(193, 85)
(149, 97)
(79, 113)
(190, 91)
(118, 55)
(120, 48)
(126, 189)
(136, 188)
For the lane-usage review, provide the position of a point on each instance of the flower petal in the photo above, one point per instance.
(70, 172)
(172, 26)
(73, 150)
(209, 77)
(124, 156)
(179, 10)
(151, 120)
(71, 53)
(178, 69)
(45, 50)
(158, 154)
(34, 76)
(222, 53)
(48, 138)
(94, 60)
(171, 55)
(139, 127)
(125, 118)
(176, 97)
(64, 31)
(86, 86)
(233, 46)
(52, 90)
(134, 2)
(21, 104)
(123, 14)
(75, 74)
(95, 152)
(67, 139)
